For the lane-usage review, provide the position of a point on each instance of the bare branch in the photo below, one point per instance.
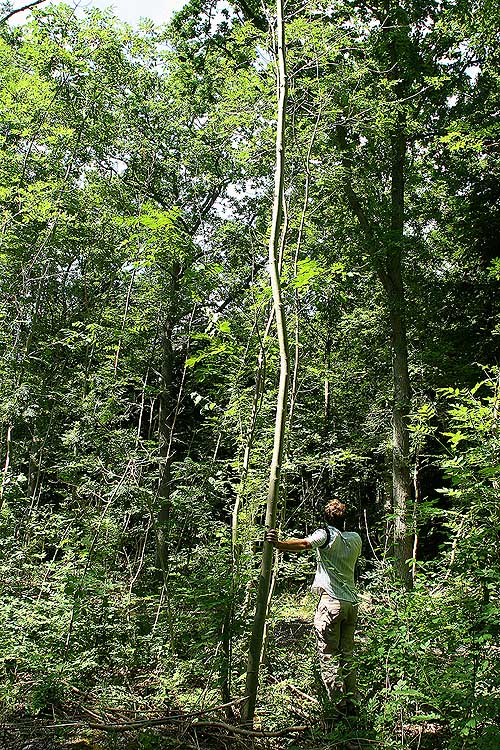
(20, 10)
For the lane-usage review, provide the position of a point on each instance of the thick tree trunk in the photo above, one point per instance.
(393, 282)
(255, 648)
(401, 474)
(387, 262)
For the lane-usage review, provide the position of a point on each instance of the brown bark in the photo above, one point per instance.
(386, 250)
(401, 472)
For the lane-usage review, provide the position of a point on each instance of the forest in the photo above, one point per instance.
(249, 262)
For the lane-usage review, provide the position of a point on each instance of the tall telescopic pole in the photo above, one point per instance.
(254, 654)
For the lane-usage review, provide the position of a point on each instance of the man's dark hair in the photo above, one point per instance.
(334, 511)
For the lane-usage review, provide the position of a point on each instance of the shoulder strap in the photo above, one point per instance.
(328, 538)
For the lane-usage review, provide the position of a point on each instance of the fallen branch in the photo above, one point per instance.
(352, 740)
(127, 726)
(139, 723)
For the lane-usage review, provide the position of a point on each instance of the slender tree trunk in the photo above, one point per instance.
(165, 425)
(226, 636)
(416, 501)
(164, 428)
(388, 265)
(32, 467)
(386, 505)
(127, 304)
(294, 388)
(8, 443)
(494, 425)
(326, 408)
(255, 649)
(257, 397)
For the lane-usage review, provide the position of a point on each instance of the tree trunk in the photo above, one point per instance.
(165, 425)
(235, 544)
(164, 435)
(393, 282)
(327, 399)
(5, 471)
(257, 397)
(387, 262)
(254, 654)
(401, 476)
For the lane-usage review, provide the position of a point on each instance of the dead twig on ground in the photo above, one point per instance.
(249, 732)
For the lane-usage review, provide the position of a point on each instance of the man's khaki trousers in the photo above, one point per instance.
(334, 623)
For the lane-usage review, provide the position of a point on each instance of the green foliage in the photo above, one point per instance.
(426, 650)
(134, 205)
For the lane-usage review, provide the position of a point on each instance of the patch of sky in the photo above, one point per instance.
(158, 11)
(262, 58)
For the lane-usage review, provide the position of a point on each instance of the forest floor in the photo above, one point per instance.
(174, 703)
(62, 731)
(134, 715)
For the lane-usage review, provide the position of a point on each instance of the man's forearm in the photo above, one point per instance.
(293, 545)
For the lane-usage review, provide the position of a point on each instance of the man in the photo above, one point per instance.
(337, 610)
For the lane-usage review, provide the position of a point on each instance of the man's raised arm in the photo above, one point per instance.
(287, 545)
